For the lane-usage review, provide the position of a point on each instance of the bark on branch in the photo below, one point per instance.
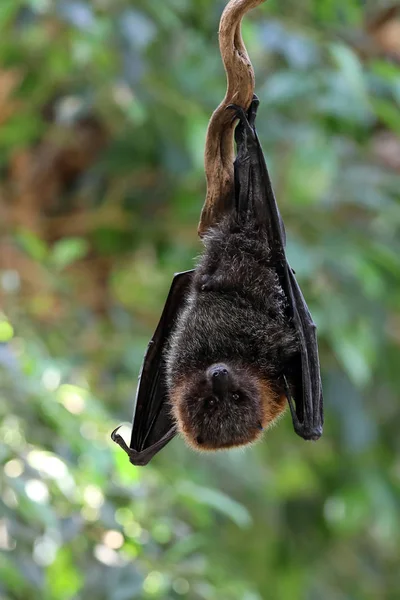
(219, 153)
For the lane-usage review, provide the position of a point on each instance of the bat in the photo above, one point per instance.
(236, 342)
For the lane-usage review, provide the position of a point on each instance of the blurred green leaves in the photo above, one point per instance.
(63, 579)
(218, 501)
(67, 251)
(6, 331)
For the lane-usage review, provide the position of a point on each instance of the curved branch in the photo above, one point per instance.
(219, 153)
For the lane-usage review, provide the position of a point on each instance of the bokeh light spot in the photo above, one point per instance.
(133, 530)
(6, 331)
(181, 586)
(37, 491)
(123, 516)
(334, 510)
(153, 583)
(10, 281)
(14, 468)
(107, 556)
(51, 379)
(162, 533)
(93, 496)
(113, 539)
(9, 498)
(47, 464)
(45, 550)
(90, 514)
(73, 398)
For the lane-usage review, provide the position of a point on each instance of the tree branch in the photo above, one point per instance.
(219, 153)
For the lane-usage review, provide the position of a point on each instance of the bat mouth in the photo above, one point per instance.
(205, 443)
(223, 423)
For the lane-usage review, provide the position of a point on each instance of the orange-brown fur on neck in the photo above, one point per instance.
(273, 404)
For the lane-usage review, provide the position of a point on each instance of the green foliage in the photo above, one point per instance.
(87, 268)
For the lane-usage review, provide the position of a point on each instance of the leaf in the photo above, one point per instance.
(387, 112)
(351, 69)
(77, 13)
(63, 578)
(219, 501)
(32, 244)
(20, 130)
(8, 9)
(67, 251)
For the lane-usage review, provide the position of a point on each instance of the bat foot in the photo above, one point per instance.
(252, 112)
(118, 439)
(245, 135)
(250, 116)
(239, 112)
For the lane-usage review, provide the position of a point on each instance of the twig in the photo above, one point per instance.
(219, 154)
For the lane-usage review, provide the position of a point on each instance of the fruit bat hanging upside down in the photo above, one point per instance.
(236, 341)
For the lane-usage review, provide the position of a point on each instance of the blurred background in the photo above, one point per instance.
(104, 106)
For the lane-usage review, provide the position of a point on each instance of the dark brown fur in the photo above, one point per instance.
(234, 316)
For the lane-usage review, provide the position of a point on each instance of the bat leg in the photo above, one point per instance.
(242, 173)
(245, 136)
(250, 202)
(239, 113)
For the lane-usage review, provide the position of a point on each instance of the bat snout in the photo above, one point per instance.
(219, 370)
(220, 378)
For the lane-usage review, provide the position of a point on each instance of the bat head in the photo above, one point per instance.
(224, 405)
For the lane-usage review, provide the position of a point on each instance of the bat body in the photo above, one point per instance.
(236, 338)
(232, 342)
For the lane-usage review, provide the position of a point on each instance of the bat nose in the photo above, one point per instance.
(219, 377)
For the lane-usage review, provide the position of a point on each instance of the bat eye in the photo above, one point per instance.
(235, 396)
(209, 402)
